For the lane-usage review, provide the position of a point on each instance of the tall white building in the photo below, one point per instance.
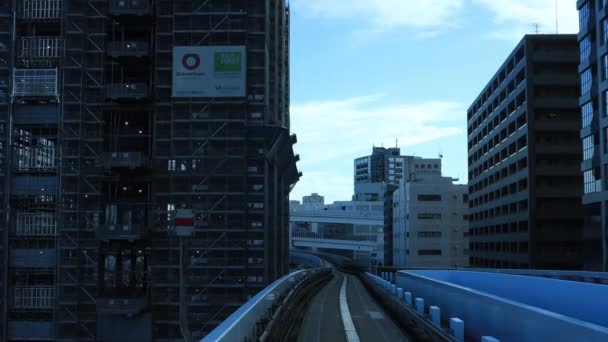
(430, 226)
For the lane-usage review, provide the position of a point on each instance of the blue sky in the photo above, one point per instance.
(368, 72)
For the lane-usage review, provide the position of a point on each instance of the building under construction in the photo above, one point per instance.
(145, 165)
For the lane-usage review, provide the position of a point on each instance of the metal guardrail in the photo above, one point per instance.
(35, 83)
(242, 325)
(41, 9)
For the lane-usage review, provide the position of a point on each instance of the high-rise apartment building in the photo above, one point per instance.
(525, 184)
(387, 165)
(377, 176)
(430, 223)
(593, 69)
(145, 165)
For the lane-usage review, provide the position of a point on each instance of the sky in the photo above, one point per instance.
(370, 73)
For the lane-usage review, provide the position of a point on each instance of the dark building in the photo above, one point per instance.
(388, 223)
(525, 184)
(593, 71)
(145, 165)
(375, 168)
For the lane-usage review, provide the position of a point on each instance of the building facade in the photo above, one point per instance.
(430, 223)
(135, 204)
(593, 100)
(314, 200)
(525, 184)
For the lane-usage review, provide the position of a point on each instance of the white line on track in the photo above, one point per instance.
(347, 320)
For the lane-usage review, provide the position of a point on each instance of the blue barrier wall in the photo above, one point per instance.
(513, 307)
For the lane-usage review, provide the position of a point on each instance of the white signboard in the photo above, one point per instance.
(209, 71)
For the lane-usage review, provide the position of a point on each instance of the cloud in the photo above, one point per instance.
(332, 133)
(515, 18)
(385, 15)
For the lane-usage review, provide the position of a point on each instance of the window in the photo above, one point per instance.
(587, 114)
(588, 147)
(427, 216)
(429, 234)
(583, 17)
(592, 181)
(586, 81)
(605, 69)
(429, 252)
(429, 198)
(465, 198)
(605, 31)
(585, 48)
(606, 103)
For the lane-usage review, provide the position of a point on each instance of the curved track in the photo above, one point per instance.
(323, 320)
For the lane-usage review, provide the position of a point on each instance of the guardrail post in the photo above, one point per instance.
(394, 289)
(457, 328)
(420, 305)
(435, 312)
(408, 298)
(489, 339)
(400, 293)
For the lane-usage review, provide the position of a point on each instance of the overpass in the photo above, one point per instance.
(329, 303)
(315, 240)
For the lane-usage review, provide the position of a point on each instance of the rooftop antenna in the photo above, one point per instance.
(396, 142)
(536, 27)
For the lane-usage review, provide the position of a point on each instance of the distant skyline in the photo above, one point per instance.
(370, 72)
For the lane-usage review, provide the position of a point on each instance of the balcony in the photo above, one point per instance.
(130, 7)
(130, 232)
(35, 83)
(40, 47)
(121, 306)
(30, 330)
(129, 160)
(35, 224)
(123, 222)
(34, 185)
(34, 297)
(128, 49)
(41, 9)
(30, 257)
(35, 158)
(127, 91)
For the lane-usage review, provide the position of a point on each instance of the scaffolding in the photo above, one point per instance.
(103, 160)
(6, 57)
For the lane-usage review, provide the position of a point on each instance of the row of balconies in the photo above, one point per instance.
(52, 47)
(54, 9)
(43, 83)
(43, 298)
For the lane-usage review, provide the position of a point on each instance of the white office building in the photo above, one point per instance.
(430, 226)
